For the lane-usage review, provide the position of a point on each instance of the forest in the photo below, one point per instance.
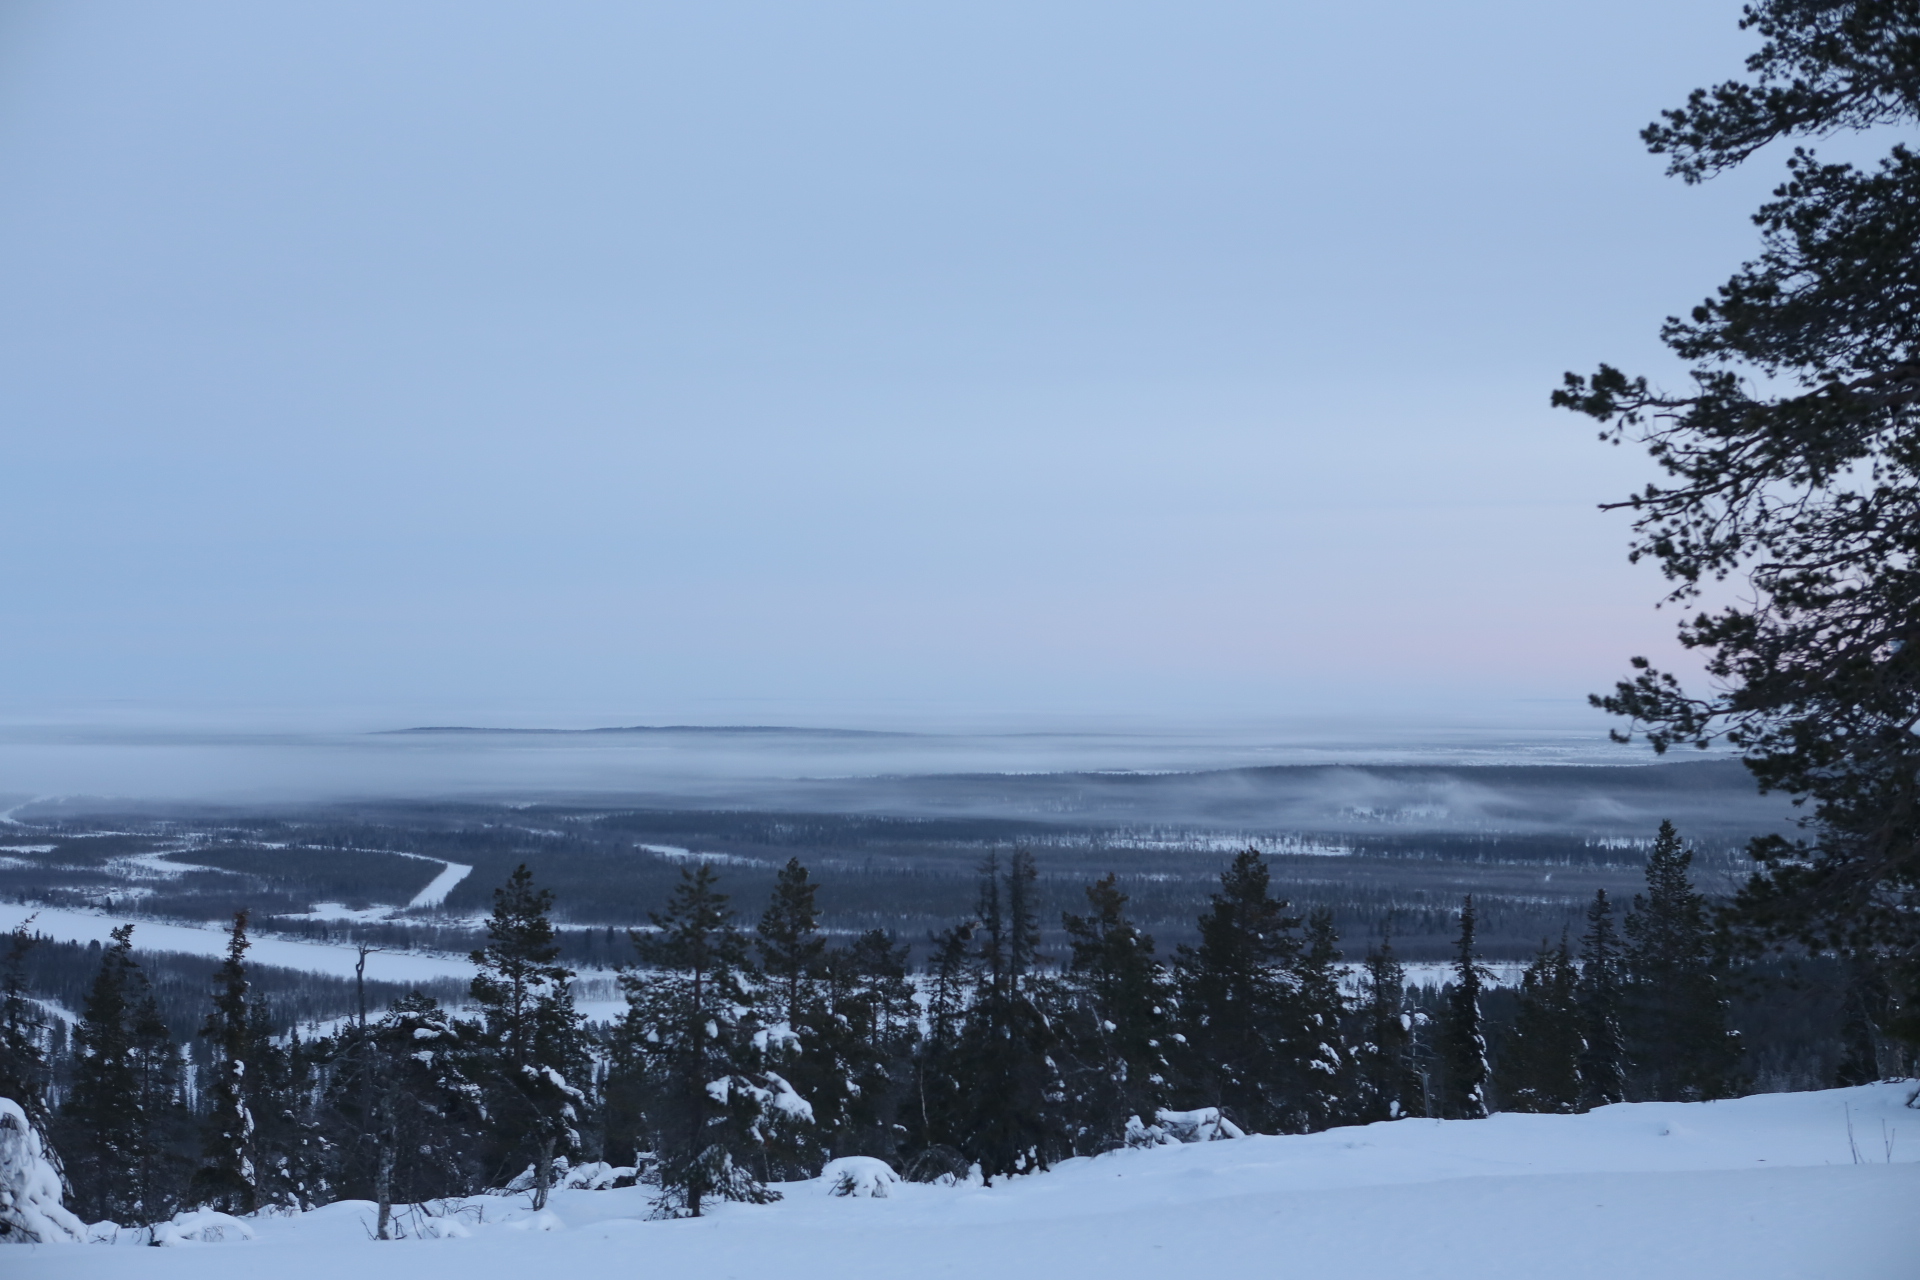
(749, 1051)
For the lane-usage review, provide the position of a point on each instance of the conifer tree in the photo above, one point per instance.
(1323, 1067)
(1236, 1000)
(688, 1064)
(533, 1033)
(858, 1026)
(228, 1178)
(1462, 1047)
(1603, 1066)
(102, 1128)
(1678, 1042)
(1540, 1068)
(934, 1117)
(401, 1091)
(1117, 1022)
(1387, 1083)
(24, 1070)
(159, 1177)
(1010, 1084)
(788, 941)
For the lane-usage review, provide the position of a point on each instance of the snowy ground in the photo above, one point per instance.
(1759, 1187)
(68, 925)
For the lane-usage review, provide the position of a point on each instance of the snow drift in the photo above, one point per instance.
(1776, 1185)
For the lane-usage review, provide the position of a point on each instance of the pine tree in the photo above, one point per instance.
(533, 1033)
(1540, 1068)
(102, 1127)
(687, 1063)
(1603, 1070)
(1462, 1047)
(1116, 1024)
(1010, 1086)
(788, 941)
(1236, 1001)
(1678, 1043)
(1388, 1085)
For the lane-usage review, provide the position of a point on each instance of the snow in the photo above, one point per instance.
(68, 925)
(452, 873)
(30, 1208)
(1758, 1187)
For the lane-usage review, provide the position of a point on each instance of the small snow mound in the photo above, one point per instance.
(30, 1208)
(859, 1176)
(201, 1226)
(545, 1220)
(597, 1176)
(1203, 1125)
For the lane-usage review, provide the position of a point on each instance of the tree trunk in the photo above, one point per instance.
(543, 1173)
(383, 1189)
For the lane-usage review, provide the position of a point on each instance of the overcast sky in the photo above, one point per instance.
(829, 362)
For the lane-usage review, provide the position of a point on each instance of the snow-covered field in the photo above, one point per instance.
(68, 925)
(1766, 1186)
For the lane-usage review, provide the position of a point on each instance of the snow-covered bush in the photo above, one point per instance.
(858, 1176)
(201, 1226)
(1203, 1125)
(30, 1208)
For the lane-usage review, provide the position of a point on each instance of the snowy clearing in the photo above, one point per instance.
(1765, 1186)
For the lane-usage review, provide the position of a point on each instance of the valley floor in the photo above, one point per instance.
(1766, 1186)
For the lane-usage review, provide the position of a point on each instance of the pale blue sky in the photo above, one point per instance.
(840, 363)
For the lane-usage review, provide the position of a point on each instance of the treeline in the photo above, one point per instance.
(751, 1056)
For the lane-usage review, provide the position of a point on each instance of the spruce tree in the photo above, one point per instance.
(24, 1069)
(102, 1128)
(1117, 1022)
(1320, 1096)
(855, 1032)
(1236, 1001)
(1462, 1042)
(934, 1115)
(405, 1108)
(1540, 1065)
(533, 1033)
(687, 1065)
(1603, 1062)
(788, 939)
(228, 1178)
(1387, 1083)
(1678, 1044)
(160, 1177)
(1010, 1086)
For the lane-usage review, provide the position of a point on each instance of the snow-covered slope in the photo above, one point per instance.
(1759, 1187)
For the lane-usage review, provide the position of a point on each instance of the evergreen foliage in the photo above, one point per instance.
(1678, 1044)
(537, 1048)
(1461, 1051)
(24, 1069)
(1387, 1083)
(1603, 1061)
(691, 1058)
(1010, 1086)
(1540, 1067)
(1116, 1023)
(1793, 462)
(228, 1178)
(1237, 1006)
